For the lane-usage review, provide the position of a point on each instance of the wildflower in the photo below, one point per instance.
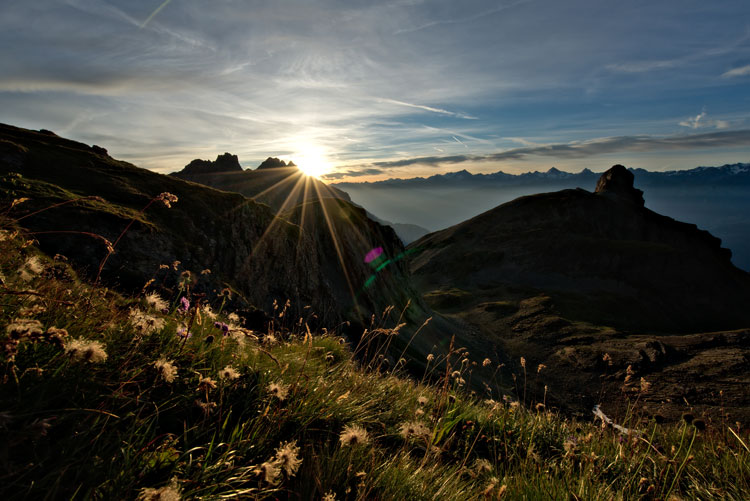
(699, 424)
(88, 351)
(223, 327)
(490, 487)
(455, 374)
(645, 385)
(540, 407)
(414, 429)
(163, 266)
(233, 317)
(170, 492)
(144, 323)
(270, 471)
(206, 383)
(607, 358)
(206, 407)
(155, 302)
(419, 412)
(422, 400)
(486, 362)
(687, 417)
(183, 333)
(206, 272)
(329, 496)
(229, 373)
(31, 268)
(278, 390)
(287, 459)
(175, 265)
(540, 367)
(166, 369)
(22, 327)
(209, 312)
(184, 305)
(56, 336)
(629, 372)
(353, 435)
(167, 199)
(482, 466)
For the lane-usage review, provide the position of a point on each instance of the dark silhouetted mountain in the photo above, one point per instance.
(276, 183)
(274, 163)
(223, 163)
(714, 198)
(281, 185)
(246, 245)
(562, 278)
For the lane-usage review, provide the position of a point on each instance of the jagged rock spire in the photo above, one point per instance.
(618, 182)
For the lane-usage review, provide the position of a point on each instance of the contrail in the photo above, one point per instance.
(153, 14)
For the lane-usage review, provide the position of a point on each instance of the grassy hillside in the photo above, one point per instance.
(108, 396)
(79, 199)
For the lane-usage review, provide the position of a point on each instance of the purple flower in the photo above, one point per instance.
(183, 333)
(184, 305)
(224, 327)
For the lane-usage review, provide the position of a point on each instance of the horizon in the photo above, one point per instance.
(396, 89)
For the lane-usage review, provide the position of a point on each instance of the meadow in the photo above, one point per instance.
(166, 395)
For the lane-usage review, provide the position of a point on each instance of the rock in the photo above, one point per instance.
(223, 163)
(618, 181)
(273, 163)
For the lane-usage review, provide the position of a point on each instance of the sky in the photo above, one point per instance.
(368, 90)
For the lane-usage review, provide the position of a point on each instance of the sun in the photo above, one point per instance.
(312, 161)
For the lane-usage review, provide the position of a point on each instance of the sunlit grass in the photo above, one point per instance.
(262, 415)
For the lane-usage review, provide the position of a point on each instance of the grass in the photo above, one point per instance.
(79, 424)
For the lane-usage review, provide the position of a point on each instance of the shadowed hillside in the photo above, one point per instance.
(224, 239)
(565, 278)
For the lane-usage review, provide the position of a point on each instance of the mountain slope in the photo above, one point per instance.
(715, 198)
(245, 246)
(563, 278)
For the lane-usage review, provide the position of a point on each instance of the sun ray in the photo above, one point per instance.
(276, 218)
(337, 247)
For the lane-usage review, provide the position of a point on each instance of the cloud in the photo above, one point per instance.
(353, 173)
(694, 123)
(430, 108)
(700, 121)
(737, 72)
(583, 149)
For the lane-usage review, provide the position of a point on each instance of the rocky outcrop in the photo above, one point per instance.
(274, 163)
(276, 183)
(223, 163)
(618, 182)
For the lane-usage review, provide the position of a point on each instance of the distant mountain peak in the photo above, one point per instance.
(223, 163)
(274, 163)
(618, 181)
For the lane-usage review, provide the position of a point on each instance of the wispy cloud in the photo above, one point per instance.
(431, 109)
(700, 121)
(582, 149)
(737, 72)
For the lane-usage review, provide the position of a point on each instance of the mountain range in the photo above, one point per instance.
(591, 289)
(715, 198)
